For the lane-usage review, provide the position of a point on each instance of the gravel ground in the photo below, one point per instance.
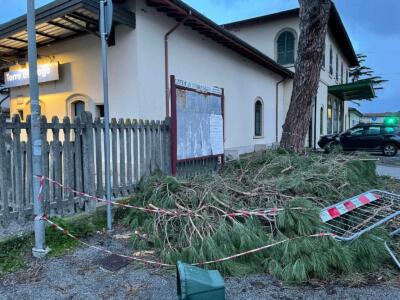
(79, 276)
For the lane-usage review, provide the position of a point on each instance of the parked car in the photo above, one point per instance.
(380, 138)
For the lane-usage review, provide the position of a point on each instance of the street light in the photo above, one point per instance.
(106, 16)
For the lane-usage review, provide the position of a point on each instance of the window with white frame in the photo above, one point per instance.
(258, 118)
(285, 47)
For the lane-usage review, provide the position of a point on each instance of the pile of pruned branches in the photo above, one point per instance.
(203, 230)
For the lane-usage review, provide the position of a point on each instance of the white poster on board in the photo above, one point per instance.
(217, 134)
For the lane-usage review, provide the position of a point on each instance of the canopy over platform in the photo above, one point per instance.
(362, 89)
(57, 21)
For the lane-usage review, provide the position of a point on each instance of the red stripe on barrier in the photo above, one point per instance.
(349, 205)
(364, 199)
(377, 196)
(334, 212)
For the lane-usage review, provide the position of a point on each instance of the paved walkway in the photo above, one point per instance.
(384, 170)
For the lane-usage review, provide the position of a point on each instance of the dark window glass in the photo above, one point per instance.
(337, 67)
(341, 73)
(389, 130)
(321, 122)
(330, 61)
(100, 110)
(258, 118)
(329, 115)
(21, 114)
(335, 116)
(341, 114)
(285, 48)
(373, 130)
(78, 107)
(356, 131)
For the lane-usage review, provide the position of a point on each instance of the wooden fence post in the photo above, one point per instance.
(88, 160)
(99, 157)
(122, 180)
(3, 172)
(17, 160)
(68, 160)
(56, 169)
(167, 146)
(129, 181)
(114, 157)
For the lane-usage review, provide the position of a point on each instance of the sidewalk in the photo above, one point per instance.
(391, 171)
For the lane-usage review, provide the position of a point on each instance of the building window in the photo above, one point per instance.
(347, 75)
(77, 108)
(285, 48)
(341, 114)
(334, 116)
(100, 110)
(337, 68)
(76, 105)
(21, 114)
(330, 60)
(329, 116)
(258, 118)
(321, 121)
(341, 73)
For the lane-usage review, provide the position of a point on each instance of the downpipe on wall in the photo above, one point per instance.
(166, 59)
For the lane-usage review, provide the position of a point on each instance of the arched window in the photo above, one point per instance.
(335, 109)
(329, 115)
(285, 45)
(321, 121)
(76, 105)
(258, 118)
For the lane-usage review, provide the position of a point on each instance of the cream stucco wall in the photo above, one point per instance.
(136, 76)
(263, 36)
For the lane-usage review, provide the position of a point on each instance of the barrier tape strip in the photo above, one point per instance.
(42, 181)
(161, 264)
(175, 213)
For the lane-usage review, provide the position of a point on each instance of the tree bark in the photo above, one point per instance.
(314, 17)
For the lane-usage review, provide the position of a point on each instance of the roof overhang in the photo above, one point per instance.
(179, 11)
(56, 21)
(360, 90)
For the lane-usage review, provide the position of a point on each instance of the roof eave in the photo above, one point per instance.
(335, 24)
(215, 31)
(59, 8)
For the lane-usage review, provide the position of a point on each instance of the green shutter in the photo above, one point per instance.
(285, 48)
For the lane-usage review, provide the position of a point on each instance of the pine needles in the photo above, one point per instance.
(268, 180)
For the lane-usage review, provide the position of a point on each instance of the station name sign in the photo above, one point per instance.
(46, 72)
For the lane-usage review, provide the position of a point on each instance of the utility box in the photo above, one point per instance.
(194, 283)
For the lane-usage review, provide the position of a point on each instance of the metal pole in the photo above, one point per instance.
(39, 251)
(103, 34)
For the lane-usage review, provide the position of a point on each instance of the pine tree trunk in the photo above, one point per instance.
(314, 17)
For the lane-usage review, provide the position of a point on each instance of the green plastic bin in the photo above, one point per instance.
(197, 284)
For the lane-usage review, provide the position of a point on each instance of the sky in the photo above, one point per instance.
(373, 27)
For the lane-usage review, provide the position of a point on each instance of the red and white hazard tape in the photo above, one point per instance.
(161, 211)
(347, 206)
(42, 181)
(160, 264)
(95, 198)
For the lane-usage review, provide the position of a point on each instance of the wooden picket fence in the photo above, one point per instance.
(73, 154)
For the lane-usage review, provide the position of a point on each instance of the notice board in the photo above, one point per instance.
(197, 112)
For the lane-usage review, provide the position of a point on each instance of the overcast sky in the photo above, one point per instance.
(373, 26)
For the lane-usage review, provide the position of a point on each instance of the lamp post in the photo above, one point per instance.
(106, 14)
(39, 250)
